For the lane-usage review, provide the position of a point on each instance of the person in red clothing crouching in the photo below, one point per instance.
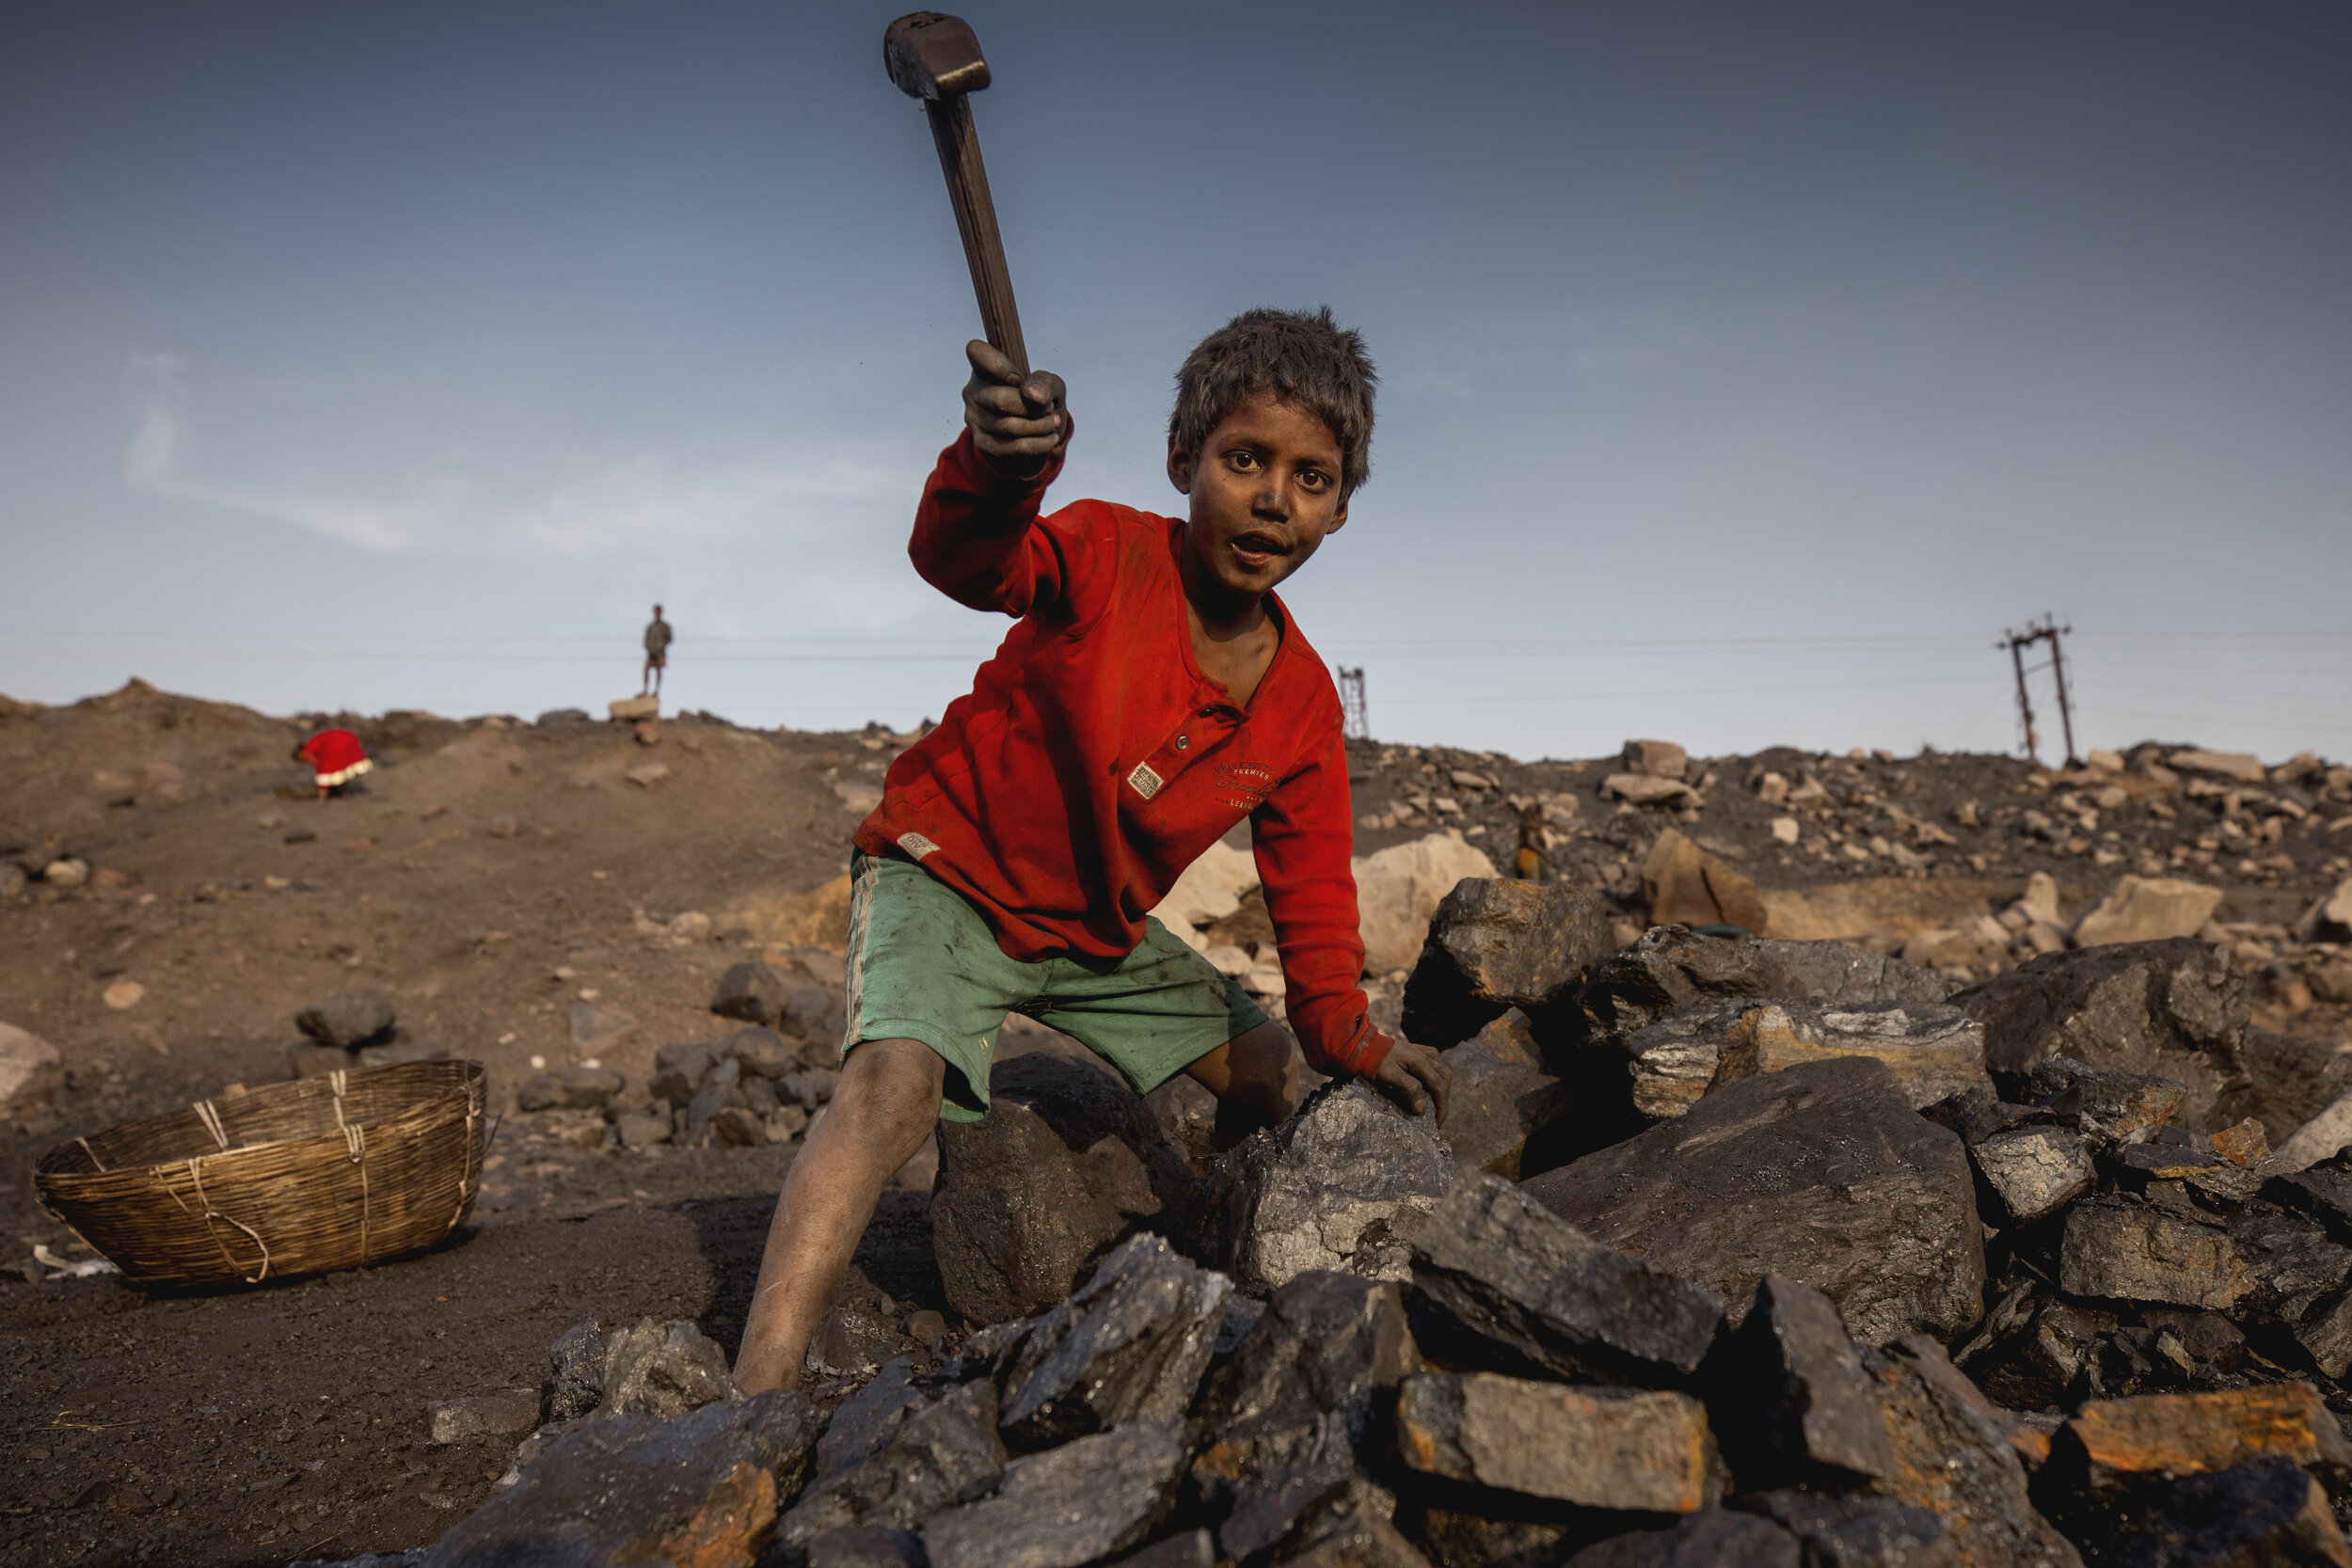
(336, 758)
(1154, 692)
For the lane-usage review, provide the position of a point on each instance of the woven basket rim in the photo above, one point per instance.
(457, 1087)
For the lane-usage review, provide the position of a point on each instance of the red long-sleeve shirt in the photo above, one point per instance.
(1092, 761)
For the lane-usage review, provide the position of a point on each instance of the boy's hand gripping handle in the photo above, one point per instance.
(937, 59)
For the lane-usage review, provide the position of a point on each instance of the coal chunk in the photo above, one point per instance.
(1859, 1531)
(1715, 1539)
(1504, 1097)
(1671, 967)
(1328, 1343)
(1068, 1506)
(2129, 1249)
(1768, 1176)
(942, 1455)
(2031, 1172)
(1797, 1406)
(1953, 1457)
(663, 1369)
(1333, 1187)
(1638, 1450)
(1067, 1161)
(2263, 1514)
(1495, 945)
(575, 1382)
(2109, 1106)
(1497, 1278)
(639, 1488)
(1130, 1346)
(2171, 1009)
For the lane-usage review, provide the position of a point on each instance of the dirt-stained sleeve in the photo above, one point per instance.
(975, 538)
(1303, 834)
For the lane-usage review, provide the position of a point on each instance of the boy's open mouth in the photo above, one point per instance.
(1259, 549)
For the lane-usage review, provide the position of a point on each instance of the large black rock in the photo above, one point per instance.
(2171, 1009)
(1067, 1162)
(1496, 944)
(1500, 1281)
(939, 1456)
(1822, 1172)
(1503, 1101)
(1130, 1346)
(1792, 1403)
(1068, 1506)
(1334, 1187)
(643, 1489)
(1673, 967)
(2267, 1512)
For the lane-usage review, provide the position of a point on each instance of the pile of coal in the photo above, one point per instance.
(1731, 1251)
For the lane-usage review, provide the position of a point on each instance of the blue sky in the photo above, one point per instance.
(1746, 370)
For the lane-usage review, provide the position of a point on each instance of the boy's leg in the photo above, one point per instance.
(1255, 1079)
(881, 1111)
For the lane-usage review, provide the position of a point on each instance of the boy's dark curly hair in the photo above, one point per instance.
(1304, 359)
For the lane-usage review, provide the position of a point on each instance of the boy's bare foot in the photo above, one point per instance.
(881, 1111)
(1404, 1071)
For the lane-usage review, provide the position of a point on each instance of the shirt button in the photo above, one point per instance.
(1182, 741)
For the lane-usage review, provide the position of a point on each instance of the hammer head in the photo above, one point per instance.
(933, 56)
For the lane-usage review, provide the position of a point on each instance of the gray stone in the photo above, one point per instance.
(1066, 1163)
(1673, 1061)
(1797, 1406)
(1288, 1481)
(2266, 1512)
(1503, 1281)
(346, 1019)
(2124, 1248)
(639, 1129)
(809, 1086)
(1713, 1538)
(1671, 967)
(1633, 1449)
(507, 1414)
(2112, 1106)
(1975, 1114)
(1934, 1050)
(1495, 945)
(1859, 1532)
(751, 991)
(1068, 1506)
(867, 1546)
(575, 1382)
(722, 1089)
(865, 1422)
(943, 1454)
(2031, 1172)
(1822, 1172)
(2323, 1191)
(1953, 1457)
(309, 1059)
(569, 1088)
(1334, 1187)
(1194, 1548)
(678, 1070)
(763, 1053)
(1503, 1098)
(1130, 1346)
(2290, 1259)
(397, 1053)
(806, 1013)
(1351, 1531)
(2171, 1009)
(663, 1369)
(636, 1488)
(31, 1070)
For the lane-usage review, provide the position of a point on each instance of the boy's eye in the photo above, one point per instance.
(1242, 459)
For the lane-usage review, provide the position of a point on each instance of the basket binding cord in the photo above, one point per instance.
(206, 1114)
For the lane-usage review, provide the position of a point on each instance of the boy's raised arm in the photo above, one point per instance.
(974, 520)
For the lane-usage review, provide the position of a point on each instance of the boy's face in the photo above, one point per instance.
(1265, 489)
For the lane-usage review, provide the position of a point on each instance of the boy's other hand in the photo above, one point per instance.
(1404, 1071)
(1018, 424)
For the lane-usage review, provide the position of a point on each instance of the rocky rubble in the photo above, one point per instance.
(1903, 1276)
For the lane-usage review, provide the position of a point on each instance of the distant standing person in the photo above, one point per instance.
(336, 758)
(658, 635)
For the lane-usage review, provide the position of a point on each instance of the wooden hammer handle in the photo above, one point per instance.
(976, 220)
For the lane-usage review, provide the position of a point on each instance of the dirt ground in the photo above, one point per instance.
(518, 895)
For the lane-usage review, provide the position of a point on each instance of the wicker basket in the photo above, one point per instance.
(301, 1178)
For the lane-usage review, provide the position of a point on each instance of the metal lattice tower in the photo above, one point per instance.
(2045, 630)
(1357, 717)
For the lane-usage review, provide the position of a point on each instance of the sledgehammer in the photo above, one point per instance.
(936, 58)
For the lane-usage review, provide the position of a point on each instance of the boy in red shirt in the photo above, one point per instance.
(1154, 693)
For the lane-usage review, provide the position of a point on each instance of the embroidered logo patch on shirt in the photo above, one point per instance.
(915, 845)
(1144, 781)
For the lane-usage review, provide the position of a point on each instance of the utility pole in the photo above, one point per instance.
(2045, 630)
(1357, 719)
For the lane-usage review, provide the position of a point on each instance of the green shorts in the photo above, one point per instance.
(924, 966)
